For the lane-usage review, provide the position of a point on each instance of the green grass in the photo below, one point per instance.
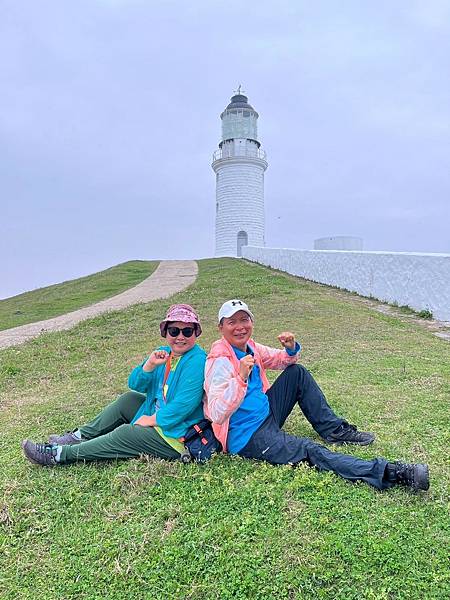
(407, 310)
(233, 528)
(59, 299)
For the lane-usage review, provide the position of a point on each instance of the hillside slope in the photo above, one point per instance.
(61, 298)
(232, 528)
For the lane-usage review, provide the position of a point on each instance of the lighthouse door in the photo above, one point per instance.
(242, 240)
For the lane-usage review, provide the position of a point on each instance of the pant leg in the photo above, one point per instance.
(297, 385)
(273, 445)
(125, 441)
(121, 411)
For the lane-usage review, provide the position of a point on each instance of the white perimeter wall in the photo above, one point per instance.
(421, 281)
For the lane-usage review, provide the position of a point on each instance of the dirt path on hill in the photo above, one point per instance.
(170, 277)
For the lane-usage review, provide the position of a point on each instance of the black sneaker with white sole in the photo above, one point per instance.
(348, 434)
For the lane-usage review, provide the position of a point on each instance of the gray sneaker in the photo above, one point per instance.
(65, 439)
(40, 454)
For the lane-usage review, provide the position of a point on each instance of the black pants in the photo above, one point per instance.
(294, 386)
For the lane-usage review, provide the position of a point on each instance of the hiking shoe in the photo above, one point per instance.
(40, 454)
(348, 434)
(415, 476)
(66, 439)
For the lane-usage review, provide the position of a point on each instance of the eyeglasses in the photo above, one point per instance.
(175, 331)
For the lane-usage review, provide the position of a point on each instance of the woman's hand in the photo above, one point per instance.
(156, 358)
(245, 366)
(146, 421)
(287, 340)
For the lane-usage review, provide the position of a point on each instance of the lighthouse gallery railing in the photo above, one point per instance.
(230, 152)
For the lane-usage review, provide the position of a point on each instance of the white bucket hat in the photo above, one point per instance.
(229, 308)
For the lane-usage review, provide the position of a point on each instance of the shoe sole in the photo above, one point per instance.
(423, 479)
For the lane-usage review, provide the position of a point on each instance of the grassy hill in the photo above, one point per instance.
(233, 528)
(61, 298)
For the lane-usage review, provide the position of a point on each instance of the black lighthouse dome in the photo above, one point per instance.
(240, 101)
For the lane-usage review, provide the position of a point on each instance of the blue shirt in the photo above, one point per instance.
(254, 409)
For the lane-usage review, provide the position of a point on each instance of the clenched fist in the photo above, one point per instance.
(287, 339)
(245, 366)
(156, 358)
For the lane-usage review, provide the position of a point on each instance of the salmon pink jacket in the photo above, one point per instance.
(225, 388)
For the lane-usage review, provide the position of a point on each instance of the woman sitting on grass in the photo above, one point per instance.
(166, 400)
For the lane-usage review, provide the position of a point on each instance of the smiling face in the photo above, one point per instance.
(237, 330)
(180, 344)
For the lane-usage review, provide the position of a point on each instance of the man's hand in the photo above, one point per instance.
(146, 421)
(245, 366)
(287, 339)
(156, 358)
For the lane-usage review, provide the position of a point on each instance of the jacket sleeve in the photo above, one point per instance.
(225, 390)
(272, 358)
(140, 380)
(188, 395)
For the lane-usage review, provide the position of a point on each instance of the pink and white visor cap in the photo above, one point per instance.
(228, 309)
(183, 313)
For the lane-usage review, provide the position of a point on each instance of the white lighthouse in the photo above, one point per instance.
(239, 165)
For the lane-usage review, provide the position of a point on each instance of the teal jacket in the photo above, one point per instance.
(183, 405)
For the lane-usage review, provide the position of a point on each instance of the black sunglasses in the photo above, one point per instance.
(175, 331)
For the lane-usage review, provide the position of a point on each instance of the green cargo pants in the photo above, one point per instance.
(110, 436)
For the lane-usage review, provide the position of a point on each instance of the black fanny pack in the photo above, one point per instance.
(200, 442)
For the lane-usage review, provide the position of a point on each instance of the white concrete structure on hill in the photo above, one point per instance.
(239, 165)
(418, 280)
(339, 242)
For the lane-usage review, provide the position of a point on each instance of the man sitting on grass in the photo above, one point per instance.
(247, 414)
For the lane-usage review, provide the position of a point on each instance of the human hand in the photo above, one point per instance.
(156, 358)
(146, 421)
(287, 340)
(245, 366)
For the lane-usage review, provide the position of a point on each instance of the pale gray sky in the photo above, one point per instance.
(109, 114)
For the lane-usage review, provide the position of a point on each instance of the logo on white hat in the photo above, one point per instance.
(229, 308)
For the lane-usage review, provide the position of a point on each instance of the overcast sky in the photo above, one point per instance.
(109, 115)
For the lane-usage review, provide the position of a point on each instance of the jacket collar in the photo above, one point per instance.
(223, 348)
